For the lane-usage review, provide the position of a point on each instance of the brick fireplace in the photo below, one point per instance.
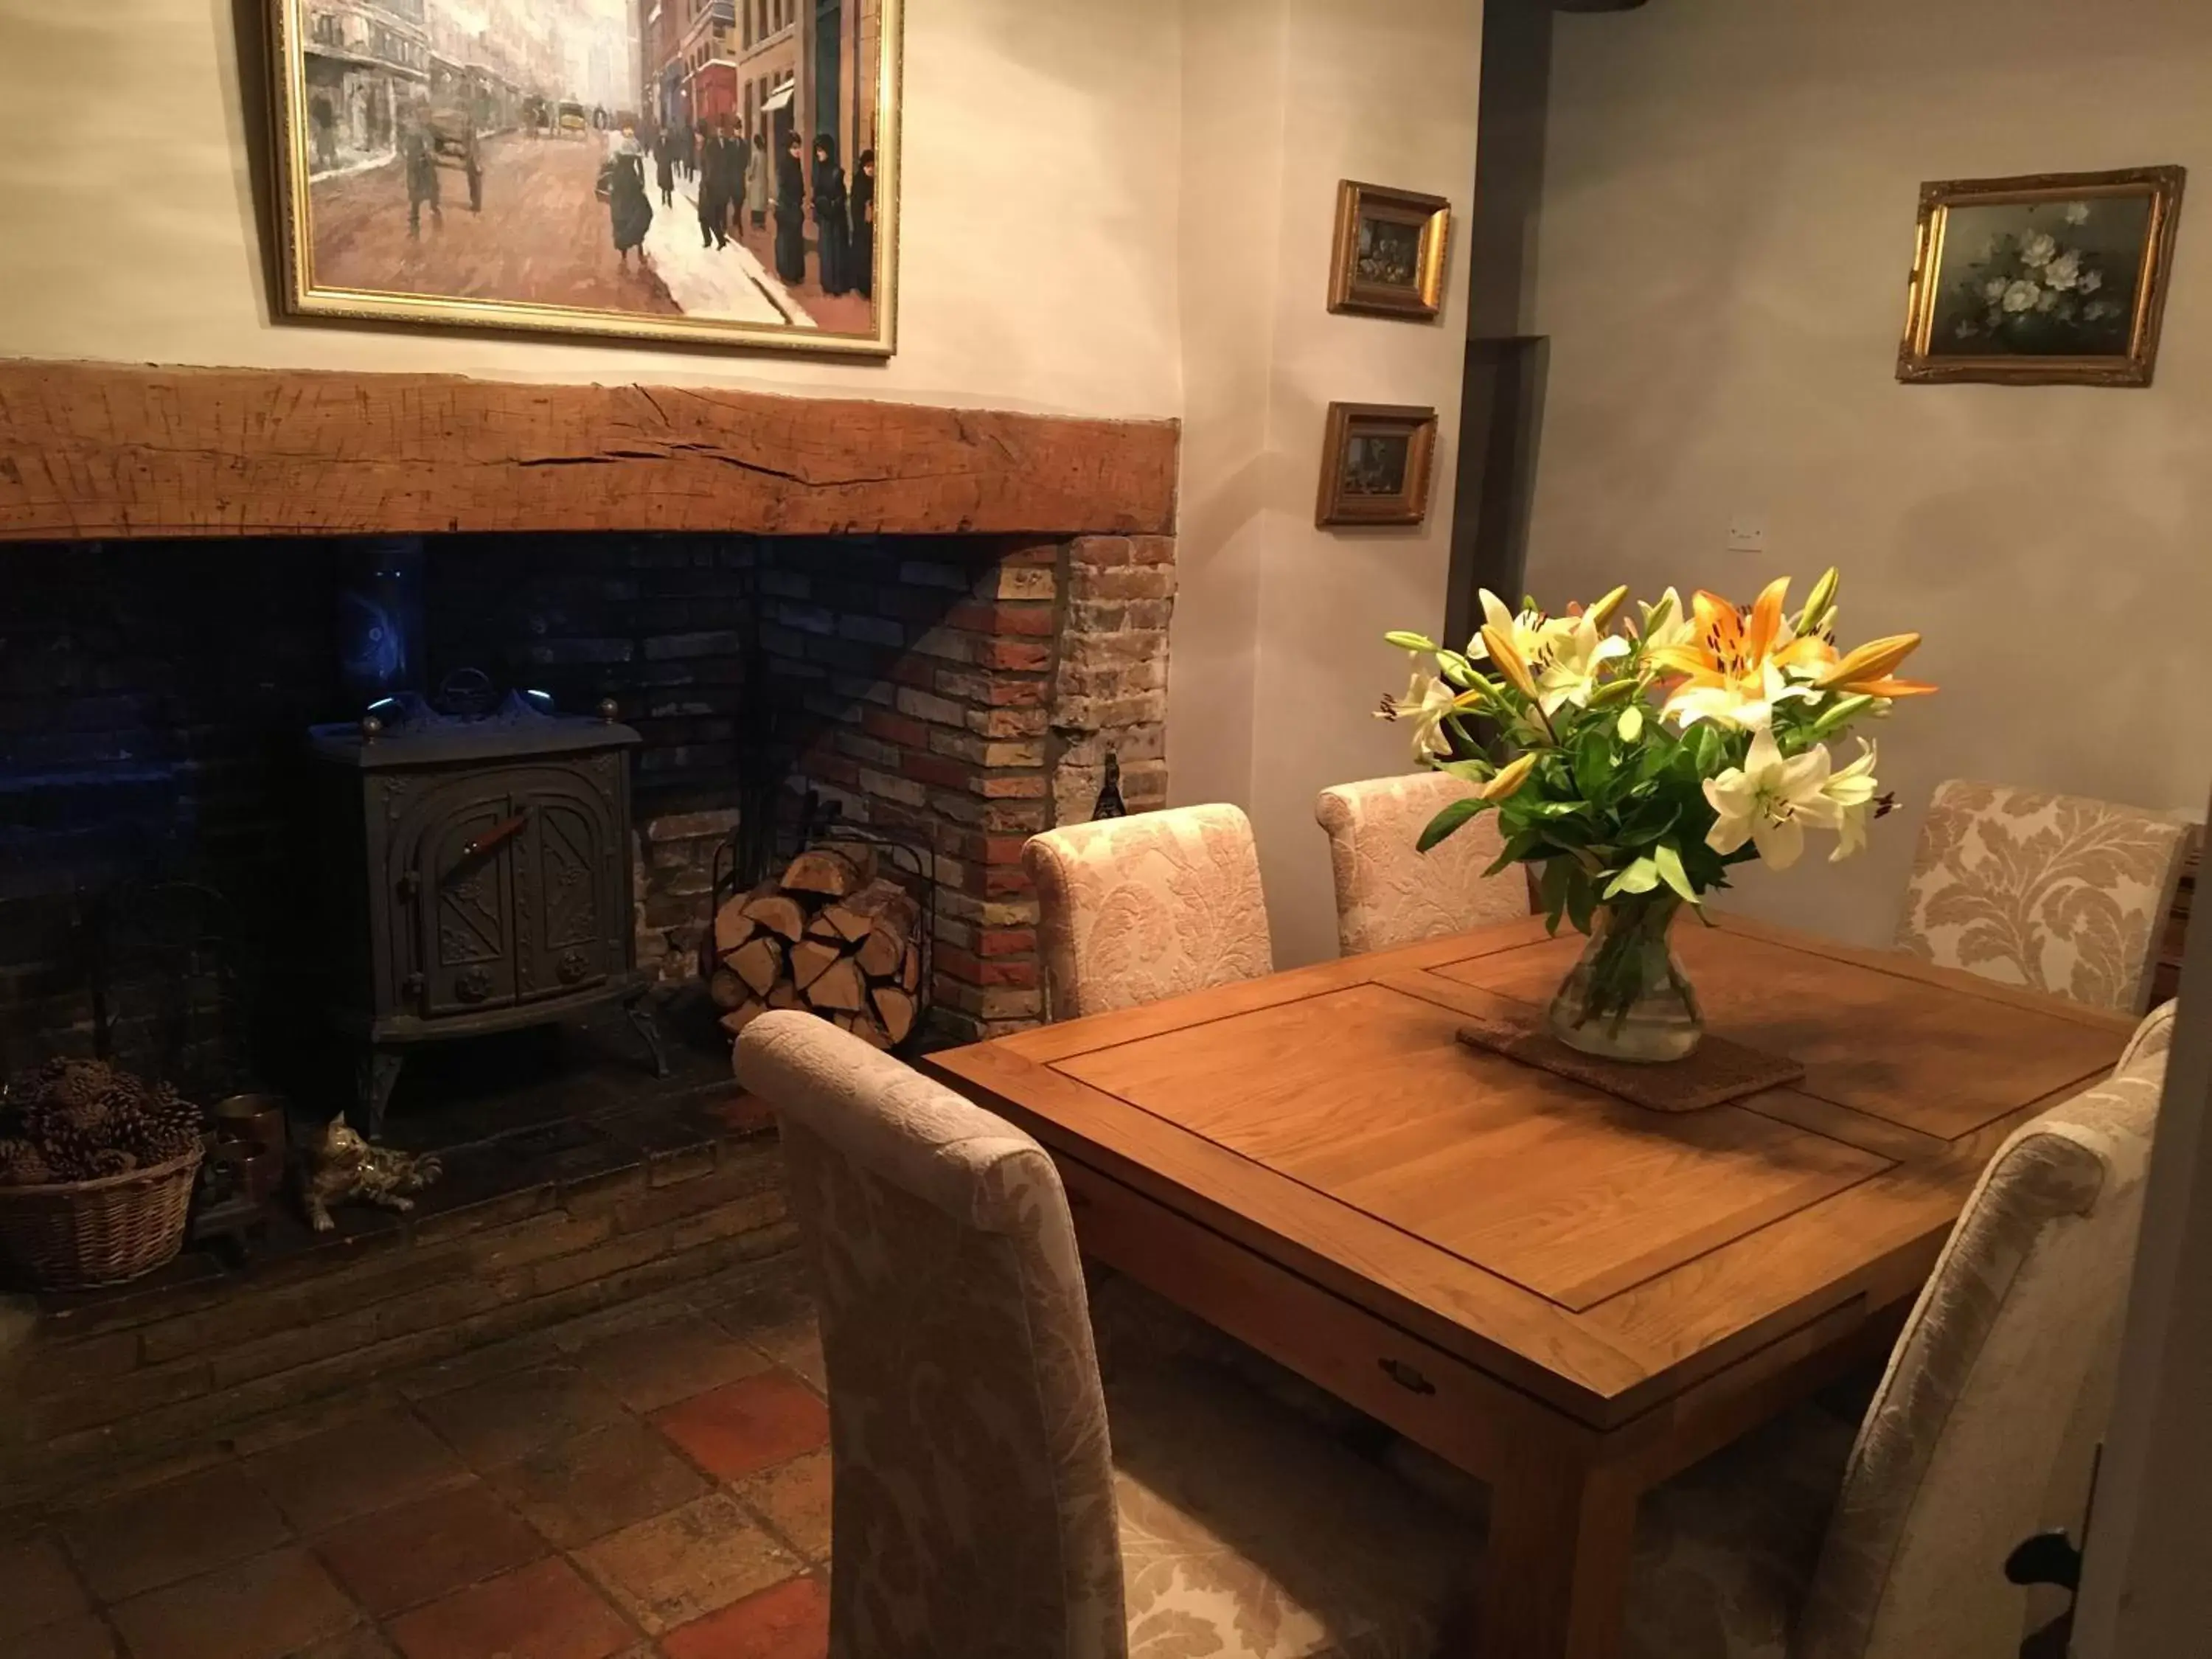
(940, 622)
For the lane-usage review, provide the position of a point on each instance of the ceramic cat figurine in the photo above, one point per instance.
(342, 1165)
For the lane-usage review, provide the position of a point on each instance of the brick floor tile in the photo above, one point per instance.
(662, 1363)
(265, 1609)
(794, 1498)
(138, 1541)
(542, 1612)
(361, 1642)
(747, 1426)
(798, 1348)
(761, 1296)
(356, 1468)
(85, 1636)
(498, 1421)
(590, 1484)
(679, 1567)
(790, 1621)
(36, 1586)
(401, 1558)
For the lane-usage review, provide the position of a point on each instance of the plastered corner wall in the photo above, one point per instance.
(1725, 232)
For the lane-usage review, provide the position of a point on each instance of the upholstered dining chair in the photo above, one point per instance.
(2055, 892)
(1135, 909)
(1967, 1438)
(1389, 893)
(981, 1507)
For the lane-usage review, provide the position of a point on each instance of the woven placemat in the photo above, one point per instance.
(1713, 1073)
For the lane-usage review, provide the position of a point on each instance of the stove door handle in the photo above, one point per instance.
(505, 831)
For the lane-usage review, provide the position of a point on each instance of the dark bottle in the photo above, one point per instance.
(1110, 803)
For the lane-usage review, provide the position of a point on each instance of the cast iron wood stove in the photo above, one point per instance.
(477, 874)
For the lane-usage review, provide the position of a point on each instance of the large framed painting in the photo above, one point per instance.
(708, 170)
(2052, 277)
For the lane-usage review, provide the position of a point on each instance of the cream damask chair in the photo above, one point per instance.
(980, 1507)
(2055, 892)
(1387, 892)
(1159, 905)
(1966, 1444)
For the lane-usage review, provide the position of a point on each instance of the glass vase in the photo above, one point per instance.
(1627, 998)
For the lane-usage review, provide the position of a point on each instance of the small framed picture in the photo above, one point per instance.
(1375, 466)
(2050, 278)
(1389, 258)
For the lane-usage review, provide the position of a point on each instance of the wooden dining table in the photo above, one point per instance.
(1567, 1295)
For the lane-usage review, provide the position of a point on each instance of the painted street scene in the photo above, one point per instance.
(711, 159)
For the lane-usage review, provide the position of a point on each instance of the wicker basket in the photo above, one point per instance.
(73, 1234)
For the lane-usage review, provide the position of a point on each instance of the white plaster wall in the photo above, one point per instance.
(1037, 269)
(1725, 235)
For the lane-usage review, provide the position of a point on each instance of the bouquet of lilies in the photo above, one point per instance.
(1632, 757)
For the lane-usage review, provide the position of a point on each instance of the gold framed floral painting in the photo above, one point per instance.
(721, 172)
(1390, 255)
(2046, 278)
(1375, 463)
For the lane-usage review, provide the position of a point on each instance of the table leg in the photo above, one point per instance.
(1556, 1568)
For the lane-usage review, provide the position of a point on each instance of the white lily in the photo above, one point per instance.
(1769, 800)
(1568, 669)
(1734, 704)
(1531, 631)
(1427, 701)
(1851, 791)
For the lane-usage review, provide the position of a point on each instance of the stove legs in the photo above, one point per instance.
(375, 1073)
(640, 1010)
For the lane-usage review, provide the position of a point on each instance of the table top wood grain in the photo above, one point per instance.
(1600, 1257)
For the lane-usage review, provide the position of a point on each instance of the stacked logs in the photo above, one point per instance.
(828, 935)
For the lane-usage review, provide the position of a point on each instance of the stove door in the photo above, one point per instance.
(567, 884)
(468, 899)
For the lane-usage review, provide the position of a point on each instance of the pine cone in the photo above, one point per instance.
(111, 1161)
(23, 1164)
(74, 1082)
(67, 1146)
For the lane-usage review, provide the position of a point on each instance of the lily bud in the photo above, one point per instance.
(1405, 642)
(1600, 614)
(1823, 601)
(1871, 661)
(1510, 776)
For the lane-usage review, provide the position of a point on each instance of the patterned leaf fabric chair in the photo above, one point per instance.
(1962, 1446)
(2055, 892)
(1156, 905)
(1387, 892)
(980, 1508)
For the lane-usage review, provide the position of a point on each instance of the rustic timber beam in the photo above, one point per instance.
(107, 451)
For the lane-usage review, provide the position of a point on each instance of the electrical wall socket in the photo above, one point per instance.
(1746, 533)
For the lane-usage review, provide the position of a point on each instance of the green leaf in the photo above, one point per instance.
(1581, 901)
(1558, 876)
(1467, 771)
(1640, 877)
(1669, 863)
(1594, 772)
(1445, 823)
(1630, 724)
(1515, 849)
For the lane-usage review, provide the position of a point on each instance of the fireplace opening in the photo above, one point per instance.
(954, 693)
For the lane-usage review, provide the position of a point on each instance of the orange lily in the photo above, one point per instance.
(1506, 657)
(1865, 670)
(1732, 663)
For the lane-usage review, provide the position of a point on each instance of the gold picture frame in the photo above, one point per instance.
(2056, 278)
(1376, 461)
(1390, 255)
(524, 167)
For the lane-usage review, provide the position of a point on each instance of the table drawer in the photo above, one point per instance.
(1431, 1397)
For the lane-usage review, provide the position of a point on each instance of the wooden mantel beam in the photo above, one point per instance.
(106, 451)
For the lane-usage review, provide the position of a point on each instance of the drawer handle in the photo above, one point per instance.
(1406, 1376)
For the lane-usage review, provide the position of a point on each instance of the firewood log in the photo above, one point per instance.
(733, 926)
(742, 1016)
(779, 913)
(759, 963)
(824, 871)
(910, 970)
(880, 953)
(896, 1010)
(809, 959)
(727, 989)
(839, 988)
(870, 1031)
(786, 995)
(881, 906)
